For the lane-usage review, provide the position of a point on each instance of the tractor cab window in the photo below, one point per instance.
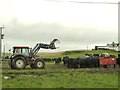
(24, 51)
(17, 51)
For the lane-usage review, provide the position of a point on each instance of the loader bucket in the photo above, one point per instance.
(54, 44)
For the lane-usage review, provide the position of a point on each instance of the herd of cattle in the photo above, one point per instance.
(87, 61)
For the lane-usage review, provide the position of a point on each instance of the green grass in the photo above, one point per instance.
(58, 76)
(63, 80)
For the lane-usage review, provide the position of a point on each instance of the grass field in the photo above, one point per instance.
(58, 76)
(76, 53)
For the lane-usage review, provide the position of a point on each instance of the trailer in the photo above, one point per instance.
(108, 61)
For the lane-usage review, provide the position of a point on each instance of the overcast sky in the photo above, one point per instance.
(76, 25)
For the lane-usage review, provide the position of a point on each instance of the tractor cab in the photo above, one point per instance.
(24, 50)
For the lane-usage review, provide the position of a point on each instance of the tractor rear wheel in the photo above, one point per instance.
(39, 64)
(10, 64)
(19, 62)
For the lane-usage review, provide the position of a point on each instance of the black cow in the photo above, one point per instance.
(65, 60)
(47, 59)
(72, 63)
(118, 60)
(81, 62)
(57, 60)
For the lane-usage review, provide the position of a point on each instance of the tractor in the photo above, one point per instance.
(23, 56)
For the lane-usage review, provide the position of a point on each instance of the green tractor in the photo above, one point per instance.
(23, 56)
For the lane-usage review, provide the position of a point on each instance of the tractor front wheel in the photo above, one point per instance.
(39, 64)
(19, 62)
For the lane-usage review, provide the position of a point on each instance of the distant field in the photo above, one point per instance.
(76, 53)
(58, 76)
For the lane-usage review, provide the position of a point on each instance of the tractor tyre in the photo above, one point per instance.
(19, 62)
(32, 66)
(10, 64)
(39, 64)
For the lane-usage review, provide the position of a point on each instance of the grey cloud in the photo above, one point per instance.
(44, 32)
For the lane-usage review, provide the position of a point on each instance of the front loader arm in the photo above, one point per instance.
(45, 46)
